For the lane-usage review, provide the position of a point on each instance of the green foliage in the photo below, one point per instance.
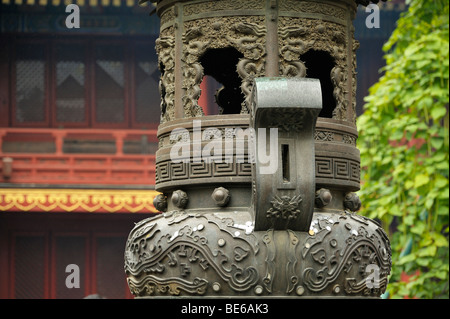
(404, 144)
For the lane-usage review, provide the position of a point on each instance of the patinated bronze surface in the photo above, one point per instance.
(229, 228)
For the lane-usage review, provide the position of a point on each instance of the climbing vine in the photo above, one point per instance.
(404, 144)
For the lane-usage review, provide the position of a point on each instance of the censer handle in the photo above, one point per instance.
(284, 114)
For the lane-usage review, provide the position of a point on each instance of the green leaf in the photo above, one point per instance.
(443, 211)
(437, 142)
(443, 194)
(427, 251)
(422, 63)
(397, 135)
(439, 157)
(424, 262)
(426, 240)
(406, 259)
(441, 182)
(425, 102)
(442, 165)
(420, 180)
(395, 211)
(441, 275)
(440, 240)
(409, 220)
(418, 229)
(429, 203)
(409, 185)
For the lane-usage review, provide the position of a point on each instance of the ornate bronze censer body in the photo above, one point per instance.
(258, 200)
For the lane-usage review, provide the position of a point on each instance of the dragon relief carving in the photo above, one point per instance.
(246, 35)
(252, 65)
(293, 46)
(354, 78)
(165, 45)
(192, 70)
(297, 36)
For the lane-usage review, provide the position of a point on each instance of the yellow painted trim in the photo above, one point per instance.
(72, 200)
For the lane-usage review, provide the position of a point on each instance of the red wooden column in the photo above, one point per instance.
(119, 136)
(59, 141)
(203, 100)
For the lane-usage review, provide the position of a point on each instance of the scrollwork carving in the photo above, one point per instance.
(361, 248)
(167, 254)
(292, 277)
(156, 257)
(167, 16)
(173, 286)
(313, 7)
(213, 6)
(270, 260)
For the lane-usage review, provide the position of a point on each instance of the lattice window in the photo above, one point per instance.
(87, 82)
(111, 279)
(29, 267)
(109, 84)
(30, 83)
(70, 84)
(70, 250)
(36, 251)
(146, 75)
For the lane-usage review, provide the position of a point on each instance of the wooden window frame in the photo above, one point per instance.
(50, 109)
(5, 67)
(94, 250)
(12, 266)
(126, 90)
(132, 76)
(53, 86)
(87, 263)
(89, 283)
(47, 84)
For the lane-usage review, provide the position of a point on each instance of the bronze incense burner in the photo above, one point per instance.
(258, 201)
